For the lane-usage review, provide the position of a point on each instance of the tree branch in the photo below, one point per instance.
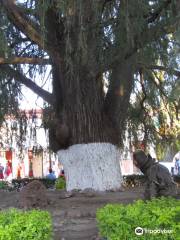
(24, 60)
(165, 69)
(23, 23)
(18, 41)
(150, 34)
(154, 33)
(161, 68)
(143, 89)
(156, 14)
(18, 76)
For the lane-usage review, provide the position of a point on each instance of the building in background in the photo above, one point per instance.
(24, 146)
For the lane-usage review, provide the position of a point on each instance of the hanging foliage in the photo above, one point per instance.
(135, 44)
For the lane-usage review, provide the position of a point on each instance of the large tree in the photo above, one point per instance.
(105, 57)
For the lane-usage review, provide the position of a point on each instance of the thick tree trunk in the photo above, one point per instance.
(92, 166)
(80, 109)
(85, 129)
(91, 158)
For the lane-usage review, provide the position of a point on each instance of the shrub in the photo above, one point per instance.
(118, 222)
(6, 186)
(177, 178)
(3, 185)
(133, 180)
(19, 183)
(60, 183)
(28, 225)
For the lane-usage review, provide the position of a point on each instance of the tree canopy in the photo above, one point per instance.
(131, 49)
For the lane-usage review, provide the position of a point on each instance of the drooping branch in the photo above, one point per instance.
(165, 69)
(156, 14)
(23, 23)
(149, 35)
(161, 68)
(153, 33)
(157, 83)
(18, 76)
(24, 60)
(143, 89)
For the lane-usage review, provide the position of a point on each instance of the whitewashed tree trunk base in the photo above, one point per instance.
(91, 166)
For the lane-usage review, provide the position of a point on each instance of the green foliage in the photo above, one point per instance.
(3, 185)
(60, 183)
(129, 181)
(141, 33)
(6, 186)
(18, 183)
(118, 222)
(29, 225)
(163, 145)
(9, 93)
(135, 180)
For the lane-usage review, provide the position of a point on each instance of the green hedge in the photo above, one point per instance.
(118, 222)
(135, 180)
(128, 181)
(28, 225)
(18, 183)
(4, 185)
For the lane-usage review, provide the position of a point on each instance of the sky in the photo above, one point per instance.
(30, 100)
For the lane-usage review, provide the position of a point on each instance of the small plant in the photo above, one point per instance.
(157, 219)
(60, 183)
(28, 225)
(3, 185)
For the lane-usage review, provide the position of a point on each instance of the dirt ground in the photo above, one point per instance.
(74, 217)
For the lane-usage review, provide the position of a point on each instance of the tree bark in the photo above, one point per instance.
(80, 107)
(86, 132)
(84, 127)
